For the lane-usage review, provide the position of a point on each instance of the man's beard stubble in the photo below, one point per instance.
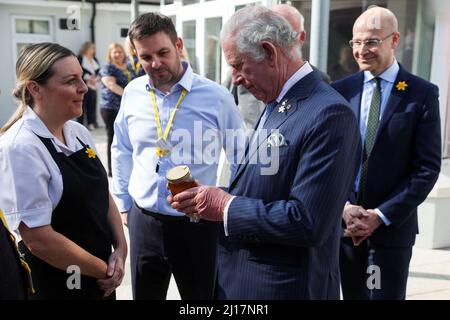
(175, 76)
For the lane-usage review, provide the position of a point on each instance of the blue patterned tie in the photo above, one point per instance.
(267, 112)
(371, 132)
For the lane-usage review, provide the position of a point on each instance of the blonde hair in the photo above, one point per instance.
(129, 47)
(85, 47)
(34, 63)
(113, 46)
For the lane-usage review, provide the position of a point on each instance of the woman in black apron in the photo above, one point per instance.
(71, 258)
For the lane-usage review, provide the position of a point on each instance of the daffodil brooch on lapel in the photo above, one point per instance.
(401, 85)
(284, 107)
(91, 153)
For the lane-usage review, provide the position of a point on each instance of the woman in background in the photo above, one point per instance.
(90, 67)
(115, 76)
(54, 187)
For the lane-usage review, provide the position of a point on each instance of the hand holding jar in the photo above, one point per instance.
(203, 201)
(179, 178)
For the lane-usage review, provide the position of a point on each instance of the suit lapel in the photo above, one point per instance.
(355, 95)
(274, 121)
(394, 99)
(301, 90)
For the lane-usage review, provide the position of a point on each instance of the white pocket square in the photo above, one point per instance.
(276, 140)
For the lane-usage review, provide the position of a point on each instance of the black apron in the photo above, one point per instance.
(82, 216)
(12, 276)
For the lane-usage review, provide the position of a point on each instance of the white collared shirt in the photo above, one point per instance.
(31, 183)
(302, 72)
(200, 125)
(89, 64)
(387, 82)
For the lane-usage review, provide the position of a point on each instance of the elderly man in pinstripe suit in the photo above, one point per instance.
(281, 231)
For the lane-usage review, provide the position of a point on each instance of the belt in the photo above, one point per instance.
(162, 217)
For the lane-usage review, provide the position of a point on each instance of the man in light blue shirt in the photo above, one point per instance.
(168, 117)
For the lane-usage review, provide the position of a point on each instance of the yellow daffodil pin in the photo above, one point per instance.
(159, 152)
(401, 85)
(90, 152)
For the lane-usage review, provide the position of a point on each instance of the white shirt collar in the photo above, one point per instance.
(89, 64)
(389, 75)
(185, 81)
(188, 76)
(35, 124)
(299, 74)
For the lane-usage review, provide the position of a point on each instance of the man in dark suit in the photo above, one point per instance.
(400, 129)
(249, 107)
(281, 227)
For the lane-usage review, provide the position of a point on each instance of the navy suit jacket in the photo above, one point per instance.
(284, 229)
(406, 157)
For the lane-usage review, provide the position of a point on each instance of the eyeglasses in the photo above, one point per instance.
(369, 43)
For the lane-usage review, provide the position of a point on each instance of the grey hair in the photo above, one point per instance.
(252, 25)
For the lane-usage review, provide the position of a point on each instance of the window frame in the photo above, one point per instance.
(29, 37)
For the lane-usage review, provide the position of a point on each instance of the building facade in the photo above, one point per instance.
(65, 22)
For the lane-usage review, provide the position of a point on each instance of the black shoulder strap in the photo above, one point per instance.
(51, 147)
(48, 144)
(82, 143)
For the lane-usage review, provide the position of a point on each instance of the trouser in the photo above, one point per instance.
(159, 248)
(373, 272)
(89, 108)
(109, 116)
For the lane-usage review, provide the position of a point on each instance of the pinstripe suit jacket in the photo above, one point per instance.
(284, 229)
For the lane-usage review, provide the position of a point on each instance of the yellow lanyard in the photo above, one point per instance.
(127, 74)
(22, 261)
(2, 218)
(159, 151)
(134, 66)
